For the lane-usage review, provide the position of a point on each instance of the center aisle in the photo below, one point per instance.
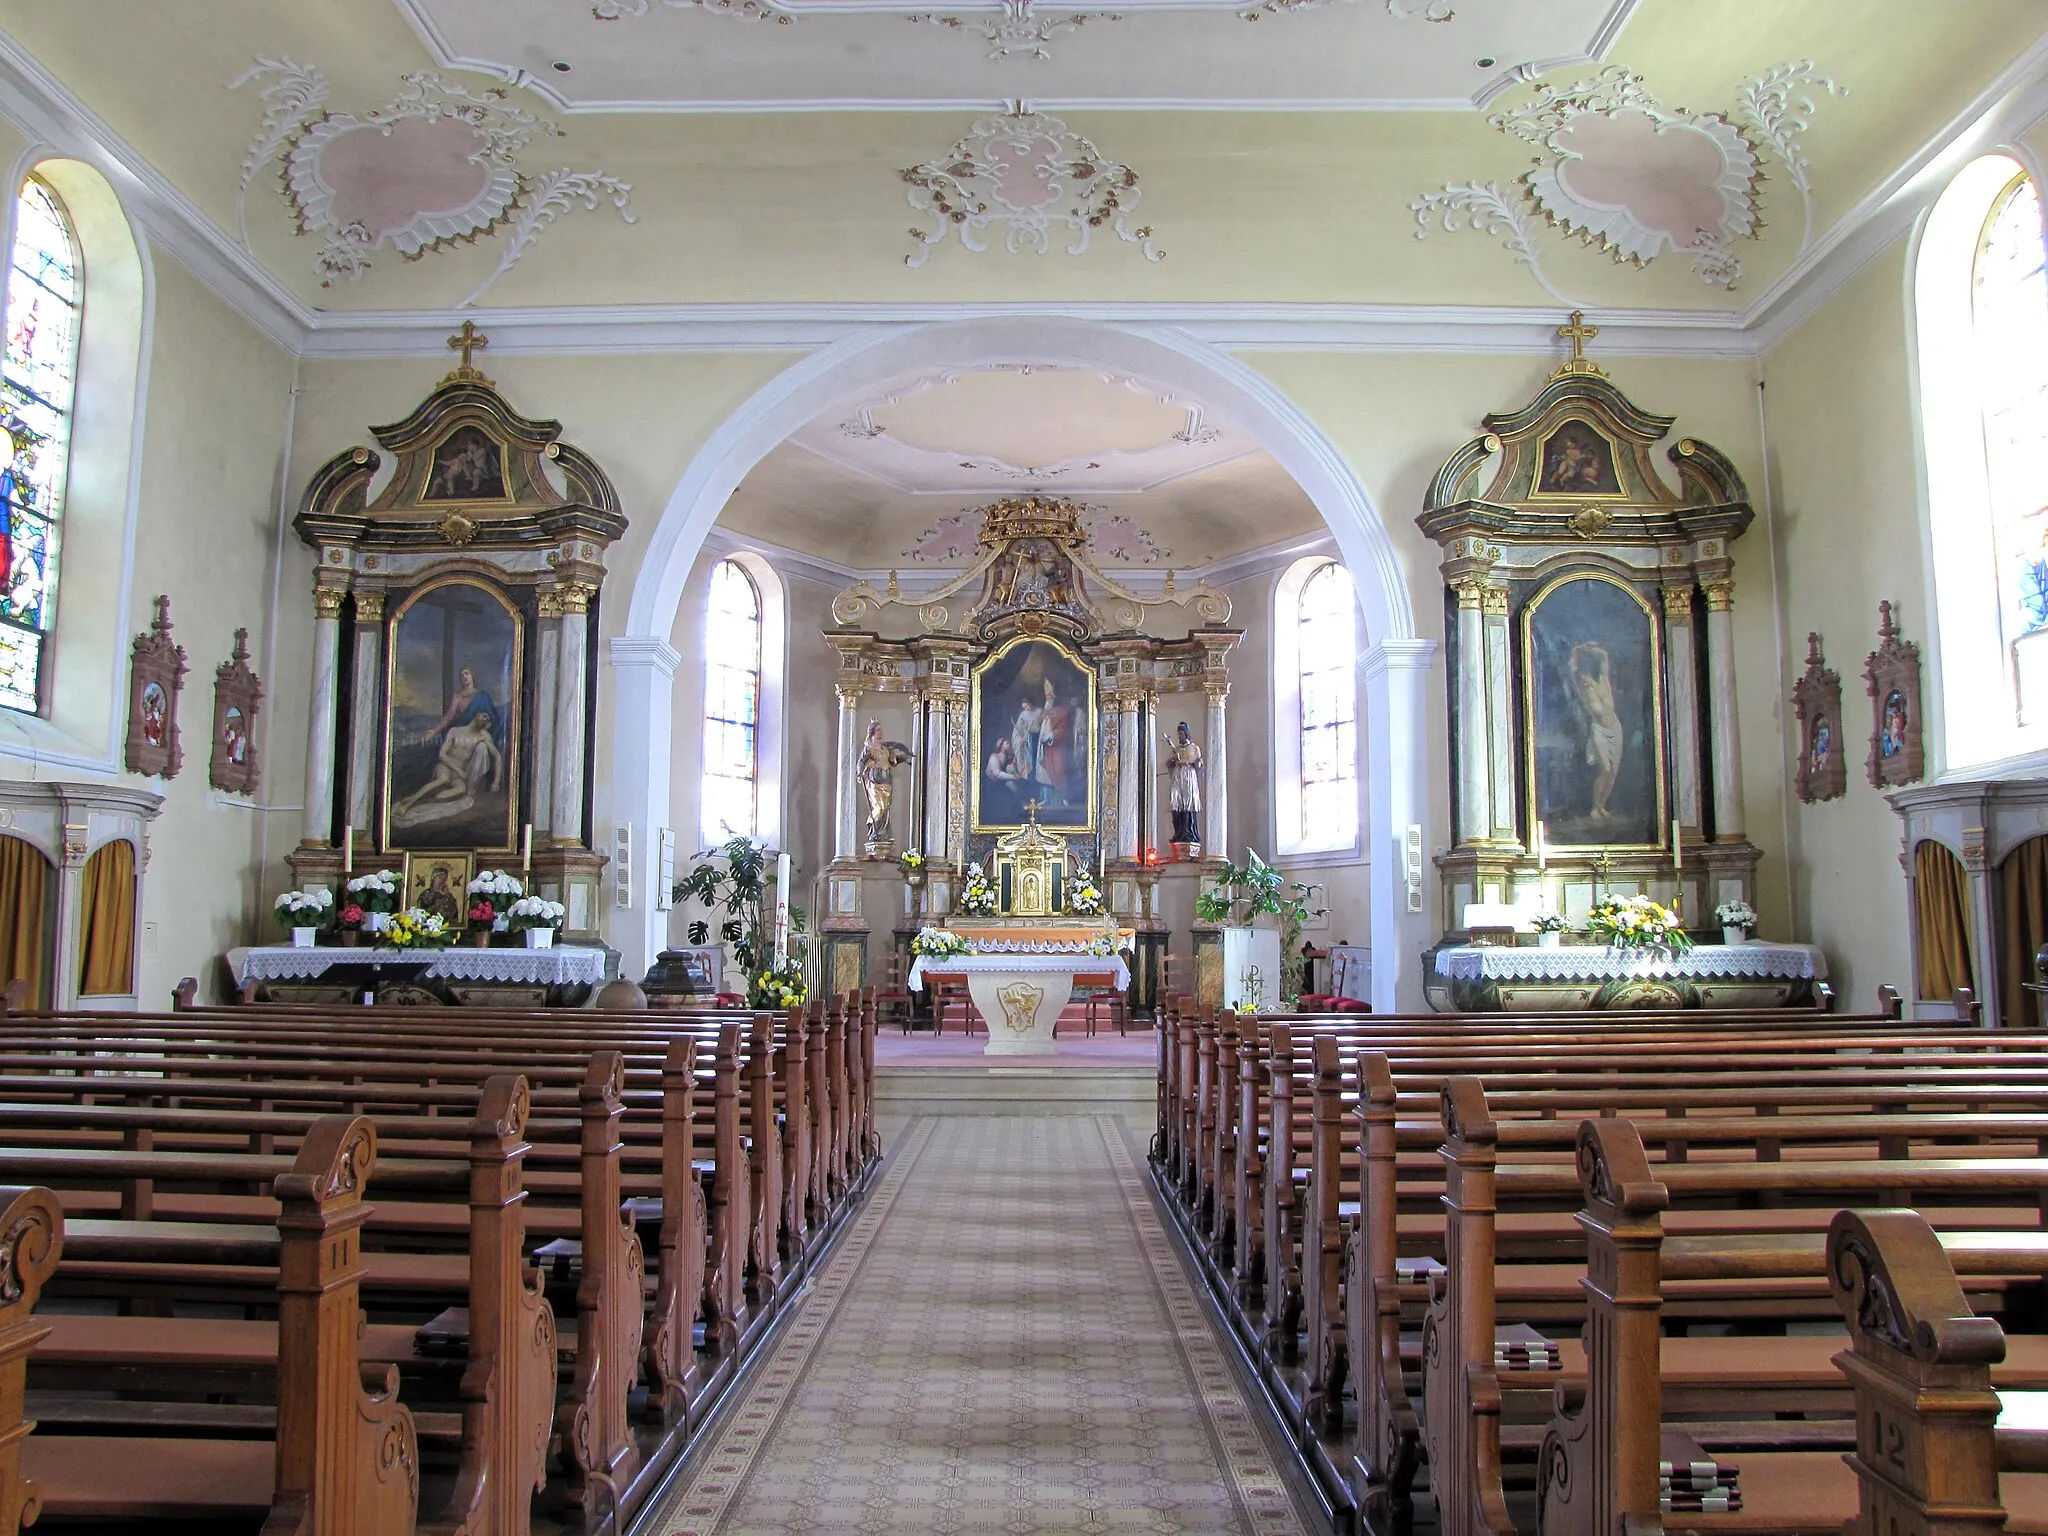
(1005, 1342)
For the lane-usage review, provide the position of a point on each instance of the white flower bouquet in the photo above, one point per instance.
(376, 892)
(531, 912)
(978, 895)
(939, 944)
(1084, 898)
(1735, 914)
(304, 909)
(495, 883)
(1640, 923)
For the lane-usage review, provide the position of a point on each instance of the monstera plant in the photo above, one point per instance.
(739, 881)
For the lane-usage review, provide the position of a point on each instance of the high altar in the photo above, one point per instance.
(1015, 716)
(1593, 737)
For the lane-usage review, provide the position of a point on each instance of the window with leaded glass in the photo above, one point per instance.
(37, 379)
(732, 706)
(2009, 303)
(1327, 647)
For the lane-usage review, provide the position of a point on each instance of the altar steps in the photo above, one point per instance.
(963, 1089)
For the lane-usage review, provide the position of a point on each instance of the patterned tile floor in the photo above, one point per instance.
(1004, 1343)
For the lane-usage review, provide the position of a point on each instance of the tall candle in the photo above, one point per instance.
(781, 910)
(526, 849)
(1677, 849)
(348, 852)
(1542, 849)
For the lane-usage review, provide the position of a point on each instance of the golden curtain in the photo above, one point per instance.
(107, 934)
(24, 914)
(2022, 929)
(1943, 920)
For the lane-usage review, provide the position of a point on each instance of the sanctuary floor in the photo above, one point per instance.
(897, 1052)
(1005, 1342)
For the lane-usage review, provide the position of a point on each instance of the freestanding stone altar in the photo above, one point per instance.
(1031, 688)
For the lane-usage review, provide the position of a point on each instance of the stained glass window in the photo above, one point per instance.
(37, 378)
(2010, 309)
(1328, 648)
(732, 706)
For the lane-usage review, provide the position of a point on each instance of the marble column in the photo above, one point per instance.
(1681, 692)
(920, 772)
(571, 714)
(1153, 789)
(320, 717)
(957, 770)
(1500, 728)
(1215, 821)
(1721, 685)
(1129, 835)
(845, 825)
(546, 692)
(364, 713)
(1475, 792)
(936, 739)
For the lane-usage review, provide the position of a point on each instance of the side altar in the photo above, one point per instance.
(1033, 698)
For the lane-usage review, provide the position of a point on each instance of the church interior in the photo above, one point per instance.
(1256, 766)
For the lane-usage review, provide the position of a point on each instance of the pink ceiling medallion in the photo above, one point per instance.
(435, 167)
(1030, 174)
(1637, 179)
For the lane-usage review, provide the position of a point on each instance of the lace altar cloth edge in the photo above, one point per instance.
(1075, 964)
(563, 965)
(1587, 962)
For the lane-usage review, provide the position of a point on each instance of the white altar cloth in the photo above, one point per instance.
(563, 965)
(1592, 962)
(1019, 996)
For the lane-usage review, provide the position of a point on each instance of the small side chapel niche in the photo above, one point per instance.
(460, 608)
(1823, 772)
(1589, 606)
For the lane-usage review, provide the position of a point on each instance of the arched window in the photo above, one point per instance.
(1315, 725)
(1981, 296)
(730, 797)
(38, 377)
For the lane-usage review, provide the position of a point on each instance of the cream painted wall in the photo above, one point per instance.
(1845, 470)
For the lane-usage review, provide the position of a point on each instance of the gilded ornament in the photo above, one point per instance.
(1591, 522)
(548, 602)
(1020, 1000)
(457, 529)
(1678, 604)
(369, 606)
(1468, 592)
(1720, 595)
(576, 596)
(327, 601)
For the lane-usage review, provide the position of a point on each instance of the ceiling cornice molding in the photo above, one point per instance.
(44, 109)
(2011, 105)
(794, 564)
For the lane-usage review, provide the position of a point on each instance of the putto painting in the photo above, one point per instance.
(1596, 741)
(468, 466)
(1034, 735)
(452, 773)
(1577, 461)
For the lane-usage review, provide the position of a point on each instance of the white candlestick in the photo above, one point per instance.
(1542, 849)
(1677, 849)
(782, 872)
(348, 852)
(526, 849)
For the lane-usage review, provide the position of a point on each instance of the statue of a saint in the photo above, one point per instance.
(1184, 786)
(879, 759)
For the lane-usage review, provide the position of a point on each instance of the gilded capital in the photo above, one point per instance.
(575, 597)
(327, 602)
(549, 603)
(1678, 604)
(1218, 689)
(369, 607)
(1720, 595)
(1468, 592)
(849, 695)
(1493, 601)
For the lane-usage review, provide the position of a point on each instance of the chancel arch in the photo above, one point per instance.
(1393, 698)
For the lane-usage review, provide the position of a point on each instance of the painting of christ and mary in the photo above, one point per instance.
(452, 776)
(1034, 730)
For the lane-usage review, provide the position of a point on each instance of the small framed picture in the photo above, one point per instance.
(237, 694)
(1891, 676)
(1823, 772)
(156, 676)
(438, 883)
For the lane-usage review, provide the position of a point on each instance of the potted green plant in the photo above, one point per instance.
(535, 920)
(302, 914)
(738, 879)
(1261, 914)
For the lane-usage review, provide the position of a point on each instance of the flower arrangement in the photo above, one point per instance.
(352, 916)
(1735, 914)
(1084, 898)
(1550, 922)
(376, 892)
(978, 895)
(779, 987)
(534, 912)
(1640, 923)
(304, 909)
(1103, 943)
(912, 862)
(939, 943)
(497, 887)
(414, 929)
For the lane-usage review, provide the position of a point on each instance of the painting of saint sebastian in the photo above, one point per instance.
(1596, 740)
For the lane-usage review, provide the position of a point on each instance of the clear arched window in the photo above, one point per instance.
(2009, 314)
(730, 797)
(38, 376)
(1326, 651)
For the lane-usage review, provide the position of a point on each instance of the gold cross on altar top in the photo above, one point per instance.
(1031, 806)
(466, 341)
(1578, 333)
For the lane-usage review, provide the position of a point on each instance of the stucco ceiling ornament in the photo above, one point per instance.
(437, 166)
(1637, 179)
(1019, 32)
(745, 10)
(1400, 10)
(1110, 537)
(1029, 173)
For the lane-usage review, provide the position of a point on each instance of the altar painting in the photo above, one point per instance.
(1034, 738)
(1577, 460)
(452, 739)
(1593, 689)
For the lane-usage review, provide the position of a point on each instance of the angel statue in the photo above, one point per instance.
(879, 760)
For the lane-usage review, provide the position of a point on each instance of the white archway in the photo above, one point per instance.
(1393, 668)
